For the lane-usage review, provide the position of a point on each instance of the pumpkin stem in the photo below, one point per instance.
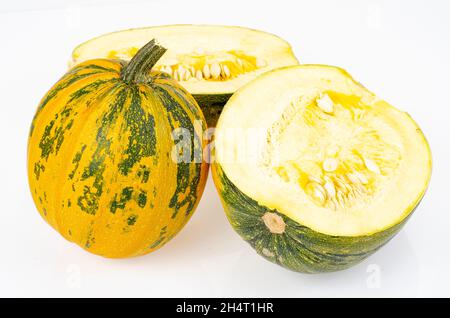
(136, 71)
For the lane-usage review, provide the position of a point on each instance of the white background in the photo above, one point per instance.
(398, 49)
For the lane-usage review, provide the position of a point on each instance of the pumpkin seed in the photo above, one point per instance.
(215, 70)
(362, 177)
(206, 71)
(199, 75)
(317, 192)
(226, 71)
(371, 165)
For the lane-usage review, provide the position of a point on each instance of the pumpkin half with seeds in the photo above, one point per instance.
(211, 62)
(103, 164)
(314, 171)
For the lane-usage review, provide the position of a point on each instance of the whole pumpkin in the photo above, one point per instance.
(103, 158)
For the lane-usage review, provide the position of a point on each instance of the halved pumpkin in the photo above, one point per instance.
(211, 62)
(105, 166)
(314, 171)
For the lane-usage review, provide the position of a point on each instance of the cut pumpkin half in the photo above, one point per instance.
(315, 171)
(211, 62)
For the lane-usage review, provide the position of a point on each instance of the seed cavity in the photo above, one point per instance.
(274, 222)
(201, 65)
(339, 161)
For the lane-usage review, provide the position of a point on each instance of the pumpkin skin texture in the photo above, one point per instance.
(100, 161)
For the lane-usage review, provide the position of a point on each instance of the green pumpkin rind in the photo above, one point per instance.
(212, 106)
(298, 248)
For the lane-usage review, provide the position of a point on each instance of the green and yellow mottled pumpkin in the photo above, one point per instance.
(102, 160)
(315, 172)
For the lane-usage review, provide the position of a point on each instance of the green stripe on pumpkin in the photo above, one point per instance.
(185, 181)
